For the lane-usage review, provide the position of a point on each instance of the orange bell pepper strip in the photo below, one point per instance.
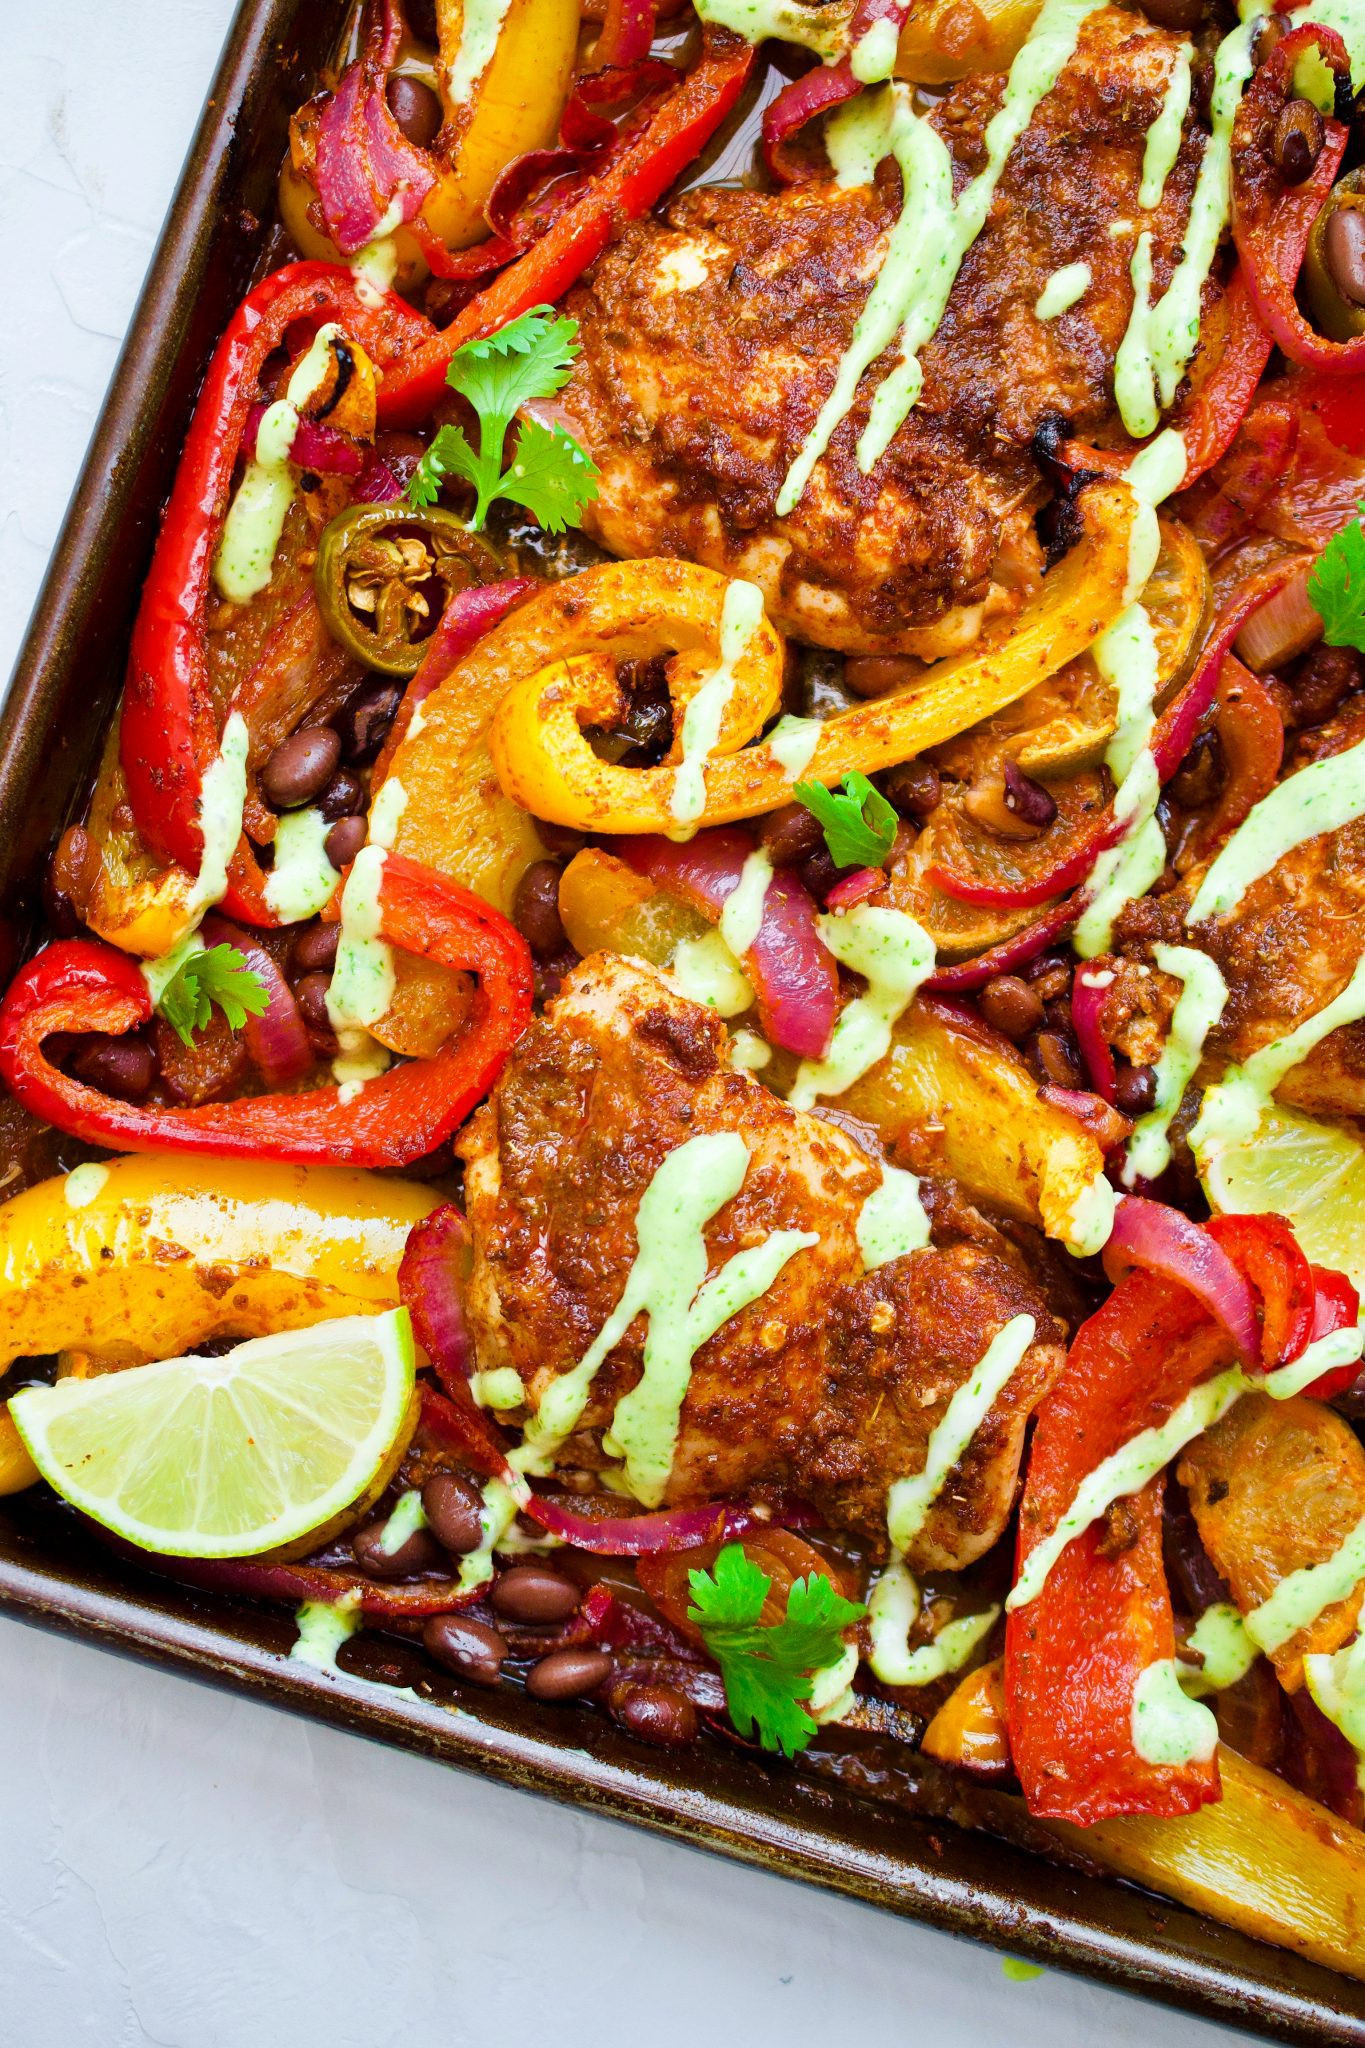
(546, 764)
(399, 1117)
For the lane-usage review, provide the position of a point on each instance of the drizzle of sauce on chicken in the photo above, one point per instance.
(832, 1381)
(711, 338)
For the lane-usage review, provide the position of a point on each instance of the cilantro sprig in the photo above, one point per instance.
(1336, 588)
(549, 473)
(768, 1670)
(859, 825)
(216, 975)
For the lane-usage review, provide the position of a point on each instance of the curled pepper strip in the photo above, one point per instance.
(172, 722)
(626, 189)
(1271, 222)
(78, 985)
(546, 763)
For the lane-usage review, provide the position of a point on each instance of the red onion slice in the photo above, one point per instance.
(822, 88)
(1151, 1235)
(377, 484)
(278, 1039)
(1088, 991)
(644, 1535)
(364, 161)
(315, 446)
(795, 976)
(262, 1579)
(627, 33)
(435, 1265)
(1009, 954)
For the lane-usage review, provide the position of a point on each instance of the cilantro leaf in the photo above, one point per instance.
(219, 975)
(1336, 588)
(769, 1670)
(550, 474)
(859, 825)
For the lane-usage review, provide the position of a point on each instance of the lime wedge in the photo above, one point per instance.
(226, 1457)
(1311, 1173)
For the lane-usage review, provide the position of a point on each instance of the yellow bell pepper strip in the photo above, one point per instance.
(546, 764)
(1263, 1859)
(456, 819)
(147, 1257)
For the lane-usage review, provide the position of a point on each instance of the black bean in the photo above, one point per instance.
(568, 1674)
(790, 835)
(1053, 1056)
(471, 1649)
(531, 1592)
(1011, 1006)
(1027, 799)
(364, 724)
(1050, 976)
(344, 841)
(819, 871)
(66, 881)
(125, 1067)
(1296, 140)
(658, 1713)
(311, 997)
(562, 840)
(418, 1552)
(344, 794)
(415, 107)
(420, 16)
(315, 948)
(914, 788)
(535, 909)
(876, 675)
(1177, 14)
(300, 766)
(1200, 774)
(1344, 247)
(453, 1506)
(1135, 1090)
(1324, 677)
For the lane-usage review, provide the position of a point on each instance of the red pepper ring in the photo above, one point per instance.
(1266, 1253)
(1271, 222)
(1336, 1306)
(172, 720)
(628, 187)
(79, 985)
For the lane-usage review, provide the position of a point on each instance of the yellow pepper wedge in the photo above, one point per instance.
(156, 1257)
(546, 764)
(135, 901)
(1264, 1858)
(950, 39)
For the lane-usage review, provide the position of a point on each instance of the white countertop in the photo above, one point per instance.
(183, 1869)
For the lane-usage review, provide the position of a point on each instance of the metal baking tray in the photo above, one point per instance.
(885, 1842)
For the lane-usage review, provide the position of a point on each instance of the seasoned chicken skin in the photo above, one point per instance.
(1286, 950)
(831, 1382)
(711, 339)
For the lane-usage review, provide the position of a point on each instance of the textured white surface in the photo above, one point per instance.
(182, 1868)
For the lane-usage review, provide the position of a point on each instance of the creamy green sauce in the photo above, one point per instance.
(500, 1389)
(1233, 1108)
(667, 1283)
(893, 1609)
(1163, 137)
(894, 955)
(1128, 1469)
(858, 136)
(407, 1518)
(873, 56)
(1228, 1652)
(363, 979)
(792, 742)
(376, 265)
(480, 27)
(222, 799)
(909, 1500)
(707, 972)
(1299, 1599)
(928, 242)
(740, 618)
(302, 879)
(821, 29)
(1169, 1727)
(743, 913)
(84, 1184)
(749, 1052)
(1347, 17)
(1337, 1683)
(323, 1626)
(831, 1689)
(1134, 371)
(1062, 291)
(1200, 1005)
(1090, 1219)
(256, 516)
(1322, 797)
(892, 1221)
(497, 1515)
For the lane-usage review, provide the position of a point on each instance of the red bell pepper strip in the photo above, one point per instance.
(1336, 1306)
(1074, 1654)
(626, 189)
(1271, 222)
(77, 985)
(172, 722)
(1171, 741)
(1268, 1255)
